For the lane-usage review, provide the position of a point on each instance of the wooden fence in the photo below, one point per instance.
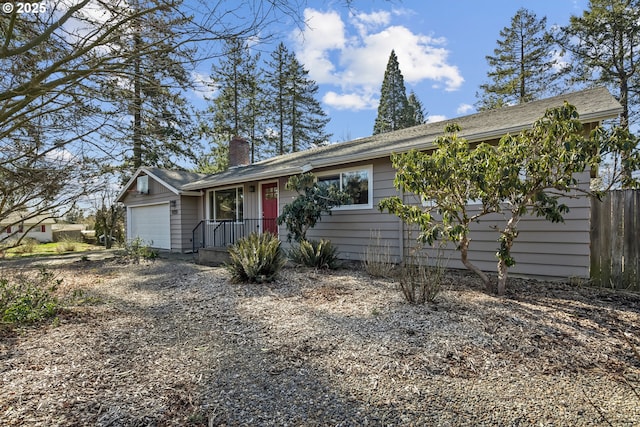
(615, 240)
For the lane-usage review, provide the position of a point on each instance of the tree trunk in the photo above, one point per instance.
(502, 277)
(137, 103)
(464, 250)
(504, 259)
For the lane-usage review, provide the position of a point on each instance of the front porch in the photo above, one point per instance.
(210, 234)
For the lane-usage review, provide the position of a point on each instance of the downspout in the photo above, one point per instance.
(401, 234)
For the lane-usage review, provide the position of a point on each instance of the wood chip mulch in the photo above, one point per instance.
(170, 342)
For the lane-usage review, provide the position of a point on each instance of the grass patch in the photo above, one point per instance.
(47, 249)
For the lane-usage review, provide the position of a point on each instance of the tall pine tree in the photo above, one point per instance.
(604, 45)
(416, 110)
(307, 119)
(394, 110)
(298, 121)
(237, 110)
(276, 78)
(151, 89)
(522, 67)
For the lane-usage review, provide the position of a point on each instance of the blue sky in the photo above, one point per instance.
(441, 48)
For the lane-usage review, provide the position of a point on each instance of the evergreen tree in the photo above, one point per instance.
(276, 79)
(296, 115)
(151, 90)
(307, 119)
(237, 108)
(522, 66)
(394, 111)
(416, 109)
(604, 46)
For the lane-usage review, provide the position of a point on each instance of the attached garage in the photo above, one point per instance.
(151, 223)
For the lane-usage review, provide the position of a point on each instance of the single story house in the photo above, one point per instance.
(18, 224)
(182, 211)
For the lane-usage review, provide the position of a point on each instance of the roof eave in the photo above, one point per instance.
(189, 193)
(598, 117)
(124, 190)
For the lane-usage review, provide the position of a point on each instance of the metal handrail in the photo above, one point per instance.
(222, 233)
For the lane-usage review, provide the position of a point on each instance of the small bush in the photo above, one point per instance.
(27, 246)
(377, 258)
(311, 253)
(27, 299)
(421, 283)
(67, 245)
(136, 250)
(256, 259)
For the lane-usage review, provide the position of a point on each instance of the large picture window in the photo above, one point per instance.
(226, 205)
(357, 183)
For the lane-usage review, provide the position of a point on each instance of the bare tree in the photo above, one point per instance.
(55, 63)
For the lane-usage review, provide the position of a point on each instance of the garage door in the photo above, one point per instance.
(151, 224)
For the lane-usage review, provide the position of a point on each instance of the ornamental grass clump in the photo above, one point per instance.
(311, 253)
(257, 258)
(377, 260)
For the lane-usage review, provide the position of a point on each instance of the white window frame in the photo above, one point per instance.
(211, 216)
(369, 169)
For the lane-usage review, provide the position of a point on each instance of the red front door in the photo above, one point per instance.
(270, 207)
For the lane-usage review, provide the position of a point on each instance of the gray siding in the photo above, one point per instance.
(352, 230)
(542, 248)
(159, 194)
(188, 209)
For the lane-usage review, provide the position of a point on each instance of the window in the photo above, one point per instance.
(226, 205)
(43, 228)
(142, 184)
(357, 183)
(9, 230)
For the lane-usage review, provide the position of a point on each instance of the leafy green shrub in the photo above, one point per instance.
(27, 299)
(311, 253)
(307, 208)
(136, 249)
(256, 258)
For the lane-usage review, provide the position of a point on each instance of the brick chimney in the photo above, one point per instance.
(238, 152)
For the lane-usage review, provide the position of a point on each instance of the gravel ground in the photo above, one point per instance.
(173, 343)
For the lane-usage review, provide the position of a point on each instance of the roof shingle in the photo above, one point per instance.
(593, 105)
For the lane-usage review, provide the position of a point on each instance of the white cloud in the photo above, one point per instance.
(464, 109)
(436, 118)
(355, 61)
(61, 156)
(365, 22)
(89, 22)
(324, 33)
(204, 87)
(349, 101)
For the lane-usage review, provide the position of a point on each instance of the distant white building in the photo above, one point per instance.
(38, 227)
